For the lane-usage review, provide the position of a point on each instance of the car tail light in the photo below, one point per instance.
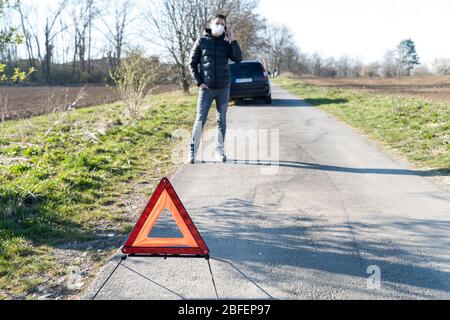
(266, 75)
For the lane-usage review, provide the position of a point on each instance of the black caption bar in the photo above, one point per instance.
(215, 309)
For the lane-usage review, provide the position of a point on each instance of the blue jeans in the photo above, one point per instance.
(205, 100)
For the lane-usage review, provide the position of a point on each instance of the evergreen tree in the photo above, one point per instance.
(408, 57)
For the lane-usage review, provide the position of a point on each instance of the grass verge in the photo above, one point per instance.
(418, 128)
(66, 185)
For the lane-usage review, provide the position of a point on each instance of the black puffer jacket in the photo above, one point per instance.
(212, 54)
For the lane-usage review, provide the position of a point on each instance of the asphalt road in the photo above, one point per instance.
(307, 229)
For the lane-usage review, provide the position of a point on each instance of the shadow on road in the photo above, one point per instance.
(315, 166)
(296, 103)
(317, 244)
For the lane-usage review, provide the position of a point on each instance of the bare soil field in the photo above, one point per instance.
(24, 102)
(436, 88)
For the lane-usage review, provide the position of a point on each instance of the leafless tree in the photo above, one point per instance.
(34, 33)
(171, 21)
(31, 31)
(279, 40)
(390, 67)
(356, 68)
(422, 70)
(50, 34)
(116, 22)
(441, 66)
(316, 64)
(328, 68)
(83, 15)
(372, 69)
(343, 65)
(27, 35)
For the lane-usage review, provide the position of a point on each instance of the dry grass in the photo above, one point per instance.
(435, 88)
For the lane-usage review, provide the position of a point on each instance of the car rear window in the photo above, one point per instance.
(245, 69)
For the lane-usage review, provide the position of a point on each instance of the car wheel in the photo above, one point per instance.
(268, 99)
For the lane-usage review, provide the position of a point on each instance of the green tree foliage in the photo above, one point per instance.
(408, 55)
(11, 37)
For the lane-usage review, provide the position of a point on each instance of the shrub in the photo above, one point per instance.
(135, 76)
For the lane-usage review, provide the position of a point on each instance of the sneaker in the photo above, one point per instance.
(191, 157)
(221, 154)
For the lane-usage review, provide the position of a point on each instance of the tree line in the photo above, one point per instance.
(83, 41)
(284, 55)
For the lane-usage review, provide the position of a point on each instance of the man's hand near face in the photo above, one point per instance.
(230, 34)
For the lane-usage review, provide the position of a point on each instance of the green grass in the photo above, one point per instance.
(417, 128)
(58, 187)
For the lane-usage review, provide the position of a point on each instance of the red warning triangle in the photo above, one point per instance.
(140, 242)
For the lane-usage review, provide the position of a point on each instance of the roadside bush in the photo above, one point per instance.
(135, 76)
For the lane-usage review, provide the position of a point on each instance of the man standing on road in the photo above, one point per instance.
(212, 53)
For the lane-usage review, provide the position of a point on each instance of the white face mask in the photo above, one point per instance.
(217, 29)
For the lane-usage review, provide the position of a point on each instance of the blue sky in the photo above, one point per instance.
(364, 29)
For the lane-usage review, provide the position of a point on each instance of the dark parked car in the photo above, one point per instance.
(249, 79)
